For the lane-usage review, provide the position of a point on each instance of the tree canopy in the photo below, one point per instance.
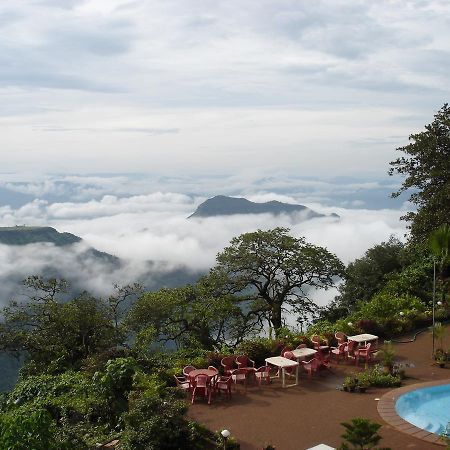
(273, 270)
(426, 167)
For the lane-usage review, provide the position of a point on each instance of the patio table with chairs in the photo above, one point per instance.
(283, 364)
(302, 353)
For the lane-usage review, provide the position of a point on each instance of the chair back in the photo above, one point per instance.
(289, 355)
(340, 337)
(180, 380)
(341, 348)
(301, 346)
(263, 369)
(227, 363)
(242, 361)
(285, 349)
(201, 380)
(213, 368)
(367, 348)
(187, 370)
(316, 341)
(351, 346)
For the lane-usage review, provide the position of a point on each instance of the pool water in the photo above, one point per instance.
(426, 408)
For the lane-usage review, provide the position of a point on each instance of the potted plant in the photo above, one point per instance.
(349, 384)
(362, 386)
(387, 355)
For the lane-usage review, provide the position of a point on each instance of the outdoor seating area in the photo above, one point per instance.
(301, 362)
(297, 410)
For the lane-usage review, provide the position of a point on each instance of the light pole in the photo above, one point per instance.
(225, 434)
(434, 298)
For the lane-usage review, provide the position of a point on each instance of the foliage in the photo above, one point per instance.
(118, 376)
(376, 377)
(387, 354)
(270, 271)
(157, 422)
(188, 315)
(361, 434)
(439, 244)
(27, 428)
(366, 276)
(426, 167)
(439, 333)
(56, 335)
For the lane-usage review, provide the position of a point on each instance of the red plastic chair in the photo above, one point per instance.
(183, 383)
(316, 342)
(213, 368)
(239, 376)
(290, 370)
(263, 373)
(311, 366)
(340, 337)
(324, 360)
(228, 364)
(187, 370)
(301, 346)
(202, 386)
(350, 349)
(223, 384)
(244, 362)
(339, 351)
(285, 349)
(363, 353)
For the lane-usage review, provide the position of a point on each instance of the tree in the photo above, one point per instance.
(188, 315)
(54, 333)
(362, 434)
(366, 276)
(426, 167)
(271, 270)
(439, 244)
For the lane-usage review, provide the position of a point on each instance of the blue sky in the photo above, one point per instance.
(323, 88)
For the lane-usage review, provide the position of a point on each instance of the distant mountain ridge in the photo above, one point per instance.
(23, 235)
(221, 205)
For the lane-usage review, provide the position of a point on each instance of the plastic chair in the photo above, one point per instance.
(239, 376)
(324, 360)
(316, 342)
(363, 353)
(263, 373)
(350, 349)
(213, 368)
(285, 349)
(223, 384)
(339, 351)
(311, 366)
(228, 364)
(289, 370)
(183, 383)
(202, 386)
(301, 346)
(187, 370)
(244, 362)
(340, 337)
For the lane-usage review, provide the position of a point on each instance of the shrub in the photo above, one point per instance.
(376, 377)
(361, 434)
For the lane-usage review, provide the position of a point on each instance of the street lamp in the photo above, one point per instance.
(225, 434)
(434, 298)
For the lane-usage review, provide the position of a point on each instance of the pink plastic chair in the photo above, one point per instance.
(350, 349)
(244, 362)
(363, 353)
(339, 351)
(340, 337)
(187, 370)
(223, 384)
(239, 376)
(285, 349)
(324, 360)
(263, 373)
(228, 364)
(213, 368)
(316, 342)
(311, 366)
(290, 370)
(201, 386)
(301, 346)
(183, 383)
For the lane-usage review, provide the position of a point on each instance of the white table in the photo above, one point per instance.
(301, 353)
(363, 338)
(284, 363)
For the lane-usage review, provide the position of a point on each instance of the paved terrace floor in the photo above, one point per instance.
(303, 416)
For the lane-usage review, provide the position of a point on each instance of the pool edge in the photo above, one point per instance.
(386, 409)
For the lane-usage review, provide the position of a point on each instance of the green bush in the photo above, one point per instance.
(376, 377)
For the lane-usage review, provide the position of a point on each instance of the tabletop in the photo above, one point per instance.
(208, 372)
(363, 337)
(303, 352)
(279, 361)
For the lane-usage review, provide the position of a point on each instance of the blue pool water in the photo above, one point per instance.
(426, 408)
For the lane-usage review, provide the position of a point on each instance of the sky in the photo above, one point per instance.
(119, 117)
(326, 88)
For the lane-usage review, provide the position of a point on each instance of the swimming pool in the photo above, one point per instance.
(427, 408)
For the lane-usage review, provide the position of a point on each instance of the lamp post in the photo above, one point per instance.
(434, 298)
(225, 434)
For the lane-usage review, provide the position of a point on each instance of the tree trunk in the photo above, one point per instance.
(275, 317)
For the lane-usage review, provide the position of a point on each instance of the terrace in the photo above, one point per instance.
(303, 416)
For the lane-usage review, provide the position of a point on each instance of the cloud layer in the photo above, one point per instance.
(320, 87)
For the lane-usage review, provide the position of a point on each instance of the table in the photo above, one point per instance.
(208, 372)
(301, 353)
(363, 338)
(284, 363)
